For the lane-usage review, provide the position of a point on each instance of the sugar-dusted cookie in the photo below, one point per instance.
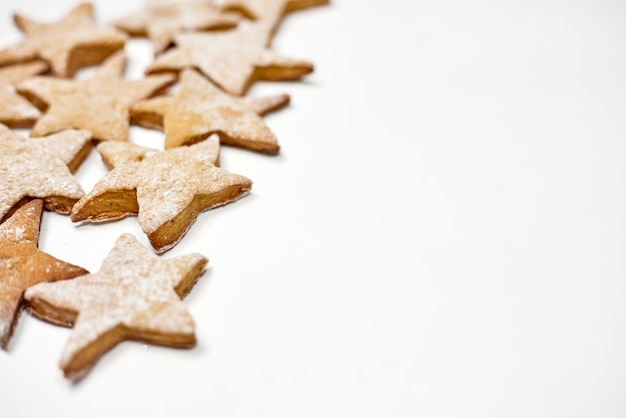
(199, 109)
(67, 45)
(135, 295)
(22, 264)
(161, 19)
(269, 10)
(41, 168)
(166, 189)
(233, 59)
(99, 104)
(15, 110)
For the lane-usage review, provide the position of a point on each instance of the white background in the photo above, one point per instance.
(442, 235)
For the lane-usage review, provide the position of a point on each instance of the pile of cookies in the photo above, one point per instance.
(206, 57)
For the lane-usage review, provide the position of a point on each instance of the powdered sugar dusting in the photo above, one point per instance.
(37, 167)
(134, 288)
(166, 181)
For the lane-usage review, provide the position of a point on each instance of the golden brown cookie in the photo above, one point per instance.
(135, 295)
(199, 109)
(268, 10)
(99, 104)
(233, 59)
(41, 168)
(15, 110)
(67, 45)
(22, 264)
(166, 189)
(161, 19)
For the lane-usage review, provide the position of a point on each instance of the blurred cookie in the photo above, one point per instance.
(166, 189)
(134, 296)
(15, 110)
(199, 109)
(233, 59)
(99, 104)
(161, 19)
(268, 10)
(67, 45)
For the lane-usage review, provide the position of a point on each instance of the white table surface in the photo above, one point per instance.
(442, 235)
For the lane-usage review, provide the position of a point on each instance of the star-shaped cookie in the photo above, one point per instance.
(41, 168)
(199, 109)
(135, 295)
(15, 110)
(22, 264)
(269, 10)
(99, 104)
(233, 59)
(67, 45)
(161, 19)
(166, 189)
